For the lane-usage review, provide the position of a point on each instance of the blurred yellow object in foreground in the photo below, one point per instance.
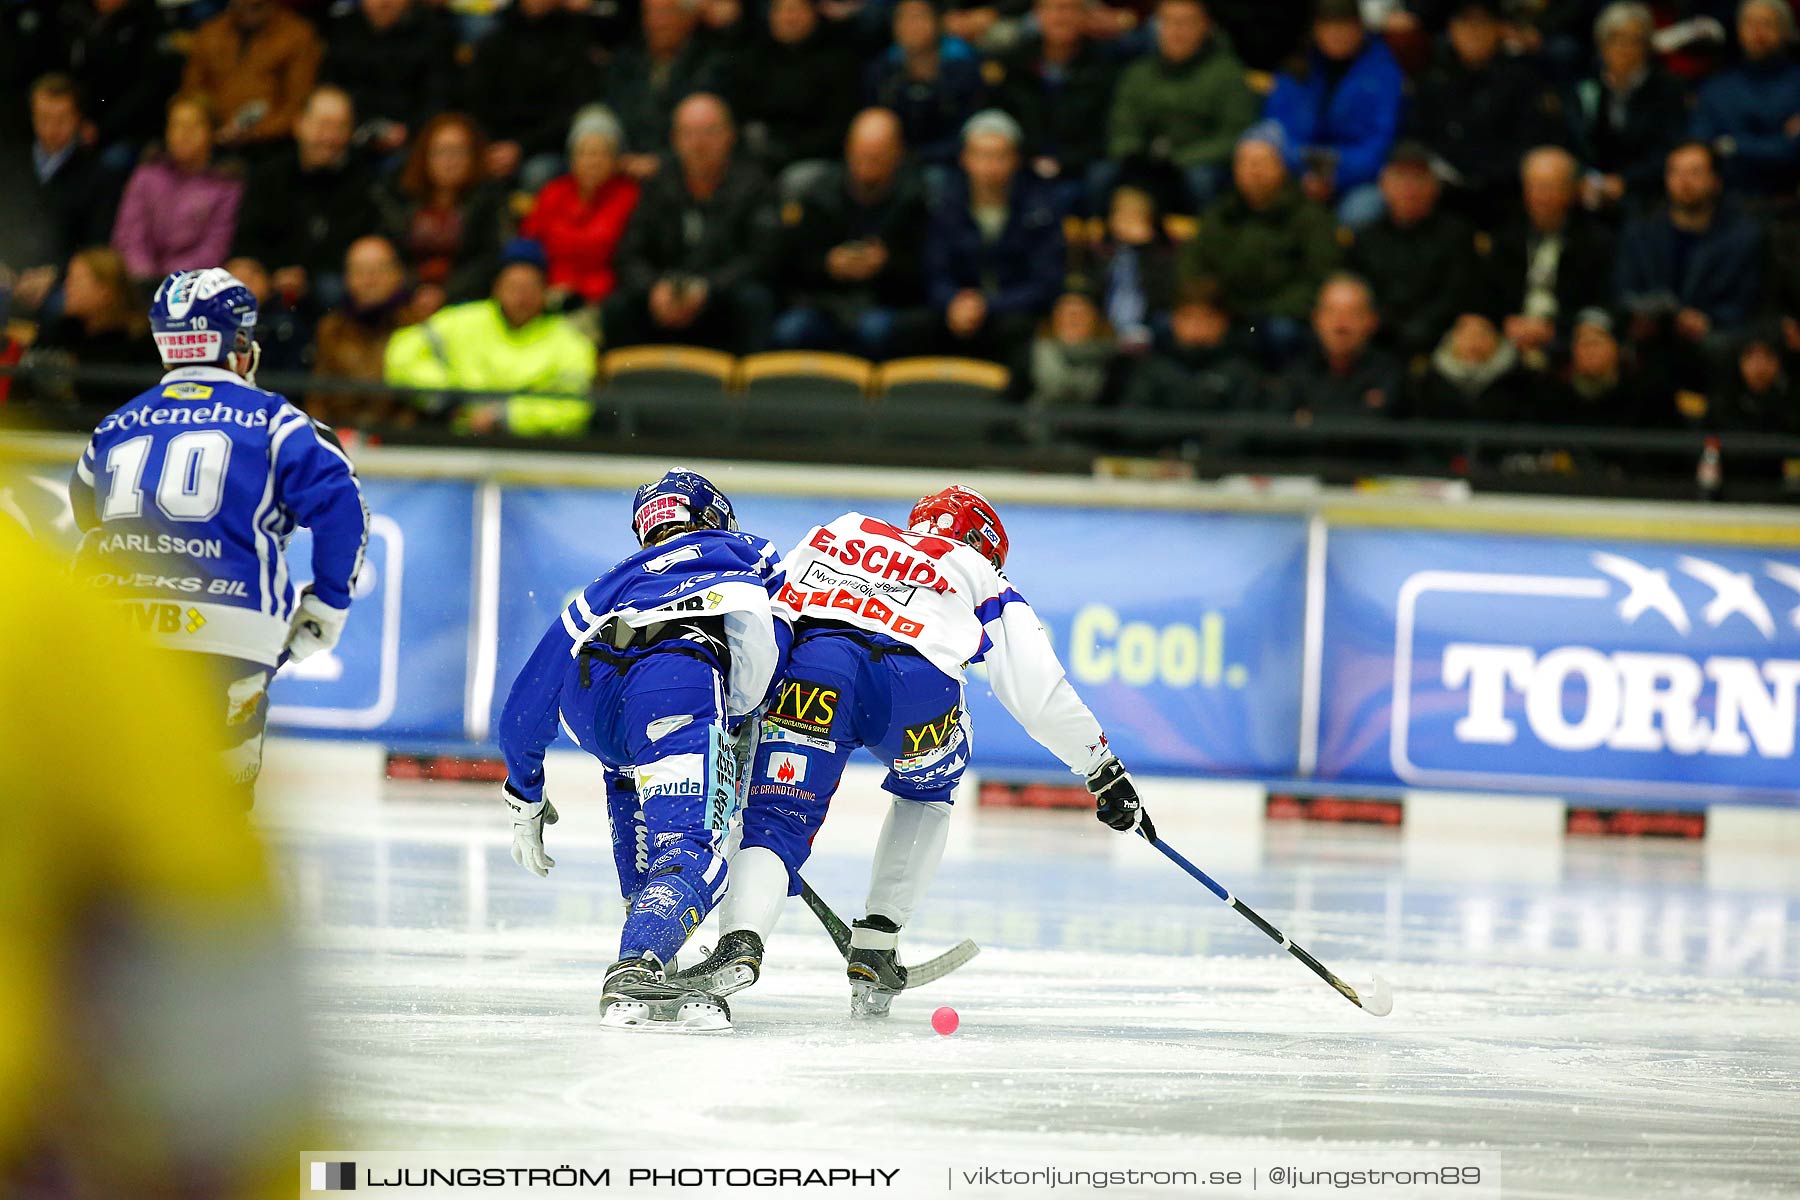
(150, 1035)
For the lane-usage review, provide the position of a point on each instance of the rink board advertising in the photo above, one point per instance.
(1634, 670)
(1637, 673)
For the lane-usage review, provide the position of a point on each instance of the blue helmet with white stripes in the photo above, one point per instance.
(679, 498)
(202, 318)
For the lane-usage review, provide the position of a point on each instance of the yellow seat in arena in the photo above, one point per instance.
(942, 378)
(806, 372)
(668, 364)
(669, 390)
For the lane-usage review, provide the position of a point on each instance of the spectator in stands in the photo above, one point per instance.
(1750, 112)
(1626, 115)
(102, 323)
(1690, 274)
(930, 80)
(507, 343)
(1204, 366)
(794, 90)
(1549, 264)
(692, 265)
(994, 255)
(114, 51)
(1185, 104)
(1058, 84)
(1475, 375)
(63, 198)
(1340, 112)
(1756, 393)
(179, 212)
(1419, 260)
(1133, 268)
(256, 64)
(647, 80)
(1479, 109)
(353, 338)
(852, 250)
(447, 219)
(397, 59)
(284, 320)
(1344, 372)
(304, 206)
(1072, 361)
(1604, 388)
(526, 81)
(580, 218)
(1267, 246)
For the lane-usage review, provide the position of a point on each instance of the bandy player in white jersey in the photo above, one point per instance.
(886, 620)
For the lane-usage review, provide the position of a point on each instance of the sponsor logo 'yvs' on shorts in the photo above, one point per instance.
(804, 706)
(927, 736)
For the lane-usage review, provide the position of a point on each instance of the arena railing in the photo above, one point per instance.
(964, 432)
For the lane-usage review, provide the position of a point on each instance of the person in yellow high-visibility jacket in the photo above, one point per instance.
(502, 344)
(150, 1032)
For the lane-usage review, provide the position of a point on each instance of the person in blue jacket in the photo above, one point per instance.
(652, 669)
(1341, 113)
(1690, 275)
(187, 495)
(1749, 112)
(994, 253)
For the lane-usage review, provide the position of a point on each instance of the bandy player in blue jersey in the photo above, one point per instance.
(188, 494)
(886, 620)
(652, 669)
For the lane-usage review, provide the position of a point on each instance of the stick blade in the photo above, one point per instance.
(1378, 999)
(934, 969)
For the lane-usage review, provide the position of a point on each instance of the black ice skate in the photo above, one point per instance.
(734, 966)
(637, 997)
(876, 975)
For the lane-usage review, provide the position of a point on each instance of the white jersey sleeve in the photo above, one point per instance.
(1027, 677)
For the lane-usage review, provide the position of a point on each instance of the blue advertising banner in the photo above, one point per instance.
(1182, 630)
(400, 669)
(1629, 670)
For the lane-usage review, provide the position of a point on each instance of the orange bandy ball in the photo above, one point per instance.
(945, 1021)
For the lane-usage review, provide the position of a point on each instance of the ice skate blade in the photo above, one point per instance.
(868, 1000)
(690, 1016)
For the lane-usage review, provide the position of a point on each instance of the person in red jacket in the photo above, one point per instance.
(580, 217)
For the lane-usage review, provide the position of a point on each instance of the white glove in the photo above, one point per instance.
(528, 820)
(316, 626)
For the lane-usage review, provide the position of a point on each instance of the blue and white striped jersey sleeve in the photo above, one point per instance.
(774, 579)
(769, 563)
(528, 720)
(317, 484)
(82, 499)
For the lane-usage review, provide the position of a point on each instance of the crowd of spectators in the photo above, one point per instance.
(1572, 211)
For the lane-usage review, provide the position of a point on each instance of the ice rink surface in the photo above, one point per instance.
(1617, 1017)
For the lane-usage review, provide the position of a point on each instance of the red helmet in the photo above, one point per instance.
(963, 515)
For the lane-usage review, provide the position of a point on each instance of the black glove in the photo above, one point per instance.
(1116, 800)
